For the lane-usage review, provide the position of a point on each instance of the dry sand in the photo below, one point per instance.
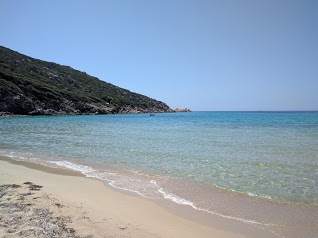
(70, 205)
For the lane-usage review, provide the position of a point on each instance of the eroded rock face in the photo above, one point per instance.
(16, 104)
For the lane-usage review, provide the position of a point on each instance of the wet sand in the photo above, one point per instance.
(85, 207)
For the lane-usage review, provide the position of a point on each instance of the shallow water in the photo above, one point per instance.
(199, 159)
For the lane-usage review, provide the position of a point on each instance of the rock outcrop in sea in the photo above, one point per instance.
(182, 110)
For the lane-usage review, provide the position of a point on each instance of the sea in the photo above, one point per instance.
(259, 168)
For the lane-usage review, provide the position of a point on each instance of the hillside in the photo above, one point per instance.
(30, 86)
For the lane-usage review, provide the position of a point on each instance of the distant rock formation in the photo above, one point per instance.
(182, 110)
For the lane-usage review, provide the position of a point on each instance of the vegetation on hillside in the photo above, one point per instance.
(30, 86)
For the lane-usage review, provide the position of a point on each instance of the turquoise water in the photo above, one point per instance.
(179, 156)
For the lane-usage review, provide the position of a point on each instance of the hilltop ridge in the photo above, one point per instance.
(31, 86)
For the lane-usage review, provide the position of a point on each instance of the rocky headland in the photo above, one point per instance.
(30, 86)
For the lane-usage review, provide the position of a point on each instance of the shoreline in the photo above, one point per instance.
(233, 213)
(42, 168)
(159, 217)
(9, 114)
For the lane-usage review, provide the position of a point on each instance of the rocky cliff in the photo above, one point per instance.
(30, 86)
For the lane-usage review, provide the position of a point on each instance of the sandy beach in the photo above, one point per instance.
(75, 206)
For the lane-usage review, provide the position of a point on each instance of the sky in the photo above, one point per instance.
(215, 55)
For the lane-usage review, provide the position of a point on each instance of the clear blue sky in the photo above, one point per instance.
(205, 55)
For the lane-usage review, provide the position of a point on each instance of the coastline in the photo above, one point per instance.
(115, 213)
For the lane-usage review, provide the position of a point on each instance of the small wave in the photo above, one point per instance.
(182, 201)
(16, 157)
(260, 196)
(177, 199)
(173, 197)
(86, 170)
(251, 194)
(19, 156)
(144, 188)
